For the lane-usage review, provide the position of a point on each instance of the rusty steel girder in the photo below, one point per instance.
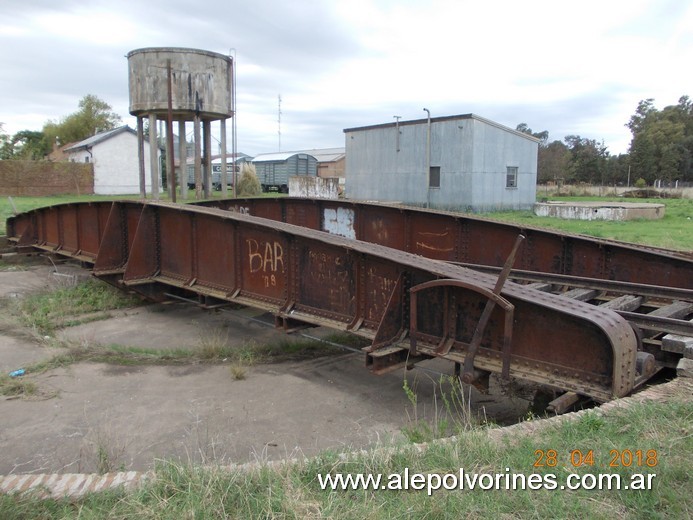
(409, 306)
(474, 240)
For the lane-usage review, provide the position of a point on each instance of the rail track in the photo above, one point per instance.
(591, 317)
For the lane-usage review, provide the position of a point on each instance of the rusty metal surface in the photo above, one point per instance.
(304, 275)
(74, 230)
(475, 240)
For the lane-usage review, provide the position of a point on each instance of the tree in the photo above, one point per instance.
(617, 168)
(5, 149)
(29, 145)
(662, 143)
(549, 163)
(542, 136)
(553, 162)
(588, 159)
(93, 116)
(24, 145)
(642, 112)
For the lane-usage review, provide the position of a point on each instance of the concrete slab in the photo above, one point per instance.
(17, 353)
(91, 417)
(168, 327)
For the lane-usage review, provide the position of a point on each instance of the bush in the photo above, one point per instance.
(640, 183)
(248, 185)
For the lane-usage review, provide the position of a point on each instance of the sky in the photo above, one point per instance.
(571, 68)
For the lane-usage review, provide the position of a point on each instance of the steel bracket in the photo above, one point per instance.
(450, 318)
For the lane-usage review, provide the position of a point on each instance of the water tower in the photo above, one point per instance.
(177, 84)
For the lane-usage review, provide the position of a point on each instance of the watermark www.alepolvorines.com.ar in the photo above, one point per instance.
(464, 480)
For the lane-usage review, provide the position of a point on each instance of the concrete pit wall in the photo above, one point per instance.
(599, 210)
(314, 187)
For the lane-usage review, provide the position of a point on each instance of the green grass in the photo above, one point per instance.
(673, 231)
(44, 312)
(292, 491)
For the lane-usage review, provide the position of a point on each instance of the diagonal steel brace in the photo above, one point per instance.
(468, 372)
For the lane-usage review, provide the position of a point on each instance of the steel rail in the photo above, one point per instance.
(611, 286)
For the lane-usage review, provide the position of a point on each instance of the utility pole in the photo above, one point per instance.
(428, 158)
(397, 118)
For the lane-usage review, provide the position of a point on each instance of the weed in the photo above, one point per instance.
(238, 371)
(9, 267)
(16, 386)
(248, 184)
(102, 451)
(44, 312)
(214, 345)
(451, 416)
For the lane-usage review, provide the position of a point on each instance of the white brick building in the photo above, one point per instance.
(114, 157)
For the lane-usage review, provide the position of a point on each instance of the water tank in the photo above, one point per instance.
(200, 82)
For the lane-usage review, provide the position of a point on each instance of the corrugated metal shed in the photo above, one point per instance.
(466, 162)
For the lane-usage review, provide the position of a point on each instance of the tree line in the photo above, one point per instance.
(92, 117)
(661, 149)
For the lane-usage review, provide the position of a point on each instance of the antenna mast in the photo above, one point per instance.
(279, 121)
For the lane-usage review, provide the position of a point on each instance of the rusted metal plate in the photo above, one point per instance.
(214, 264)
(468, 239)
(326, 286)
(264, 262)
(71, 229)
(117, 236)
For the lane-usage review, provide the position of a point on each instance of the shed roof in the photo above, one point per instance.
(277, 156)
(98, 138)
(326, 154)
(444, 118)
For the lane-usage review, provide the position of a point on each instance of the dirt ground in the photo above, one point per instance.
(93, 416)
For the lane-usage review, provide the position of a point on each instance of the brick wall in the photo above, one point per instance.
(41, 178)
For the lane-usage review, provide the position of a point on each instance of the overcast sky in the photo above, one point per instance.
(566, 67)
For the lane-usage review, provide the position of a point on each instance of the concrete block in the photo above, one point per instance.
(677, 344)
(685, 368)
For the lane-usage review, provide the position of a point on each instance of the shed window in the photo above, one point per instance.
(434, 177)
(86, 158)
(511, 177)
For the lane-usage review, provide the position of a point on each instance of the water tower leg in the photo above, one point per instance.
(224, 173)
(140, 157)
(198, 158)
(207, 156)
(183, 164)
(153, 156)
